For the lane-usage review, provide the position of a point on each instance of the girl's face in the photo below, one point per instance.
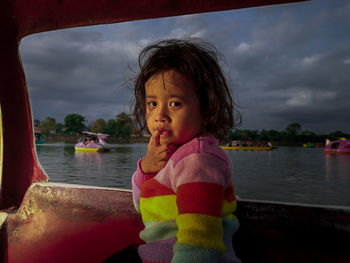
(172, 108)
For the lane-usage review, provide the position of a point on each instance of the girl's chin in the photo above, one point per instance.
(171, 140)
(166, 140)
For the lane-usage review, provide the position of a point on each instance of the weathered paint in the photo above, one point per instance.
(71, 223)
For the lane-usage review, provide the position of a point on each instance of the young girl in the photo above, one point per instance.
(182, 186)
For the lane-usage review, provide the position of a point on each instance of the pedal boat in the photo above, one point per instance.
(92, 142)
(339, 146)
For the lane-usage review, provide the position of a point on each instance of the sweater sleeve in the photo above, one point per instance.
(137, 181)
(199, 181)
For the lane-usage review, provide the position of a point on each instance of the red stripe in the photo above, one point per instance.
(229, 193)
(153, 188)
(200, 198)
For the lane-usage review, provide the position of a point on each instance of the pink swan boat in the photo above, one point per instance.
(339, 146)
(92, 142)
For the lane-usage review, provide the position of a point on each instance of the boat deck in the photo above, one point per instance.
(73, 223)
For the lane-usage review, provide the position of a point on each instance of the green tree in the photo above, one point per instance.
(293, 128)
(111, 127)
(74, 123)
(60, 129)
(123, 125)
(231, 135)
(99, 125)
(252, 135)
(237, 135)
(292, 131)
(264, 135)
(337, 134)
(47, 125)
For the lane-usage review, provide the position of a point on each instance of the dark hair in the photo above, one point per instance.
(198, 61)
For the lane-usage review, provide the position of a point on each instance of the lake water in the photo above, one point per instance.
(286, 174)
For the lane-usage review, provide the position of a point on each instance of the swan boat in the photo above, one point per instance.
(338, 146)
(92, 142)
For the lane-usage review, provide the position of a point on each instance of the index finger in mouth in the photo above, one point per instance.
(155, 138)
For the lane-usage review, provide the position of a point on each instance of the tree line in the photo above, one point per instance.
(292, 133)
(122, 126)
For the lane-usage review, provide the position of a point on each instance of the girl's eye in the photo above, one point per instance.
(175, 104)
(151, 104)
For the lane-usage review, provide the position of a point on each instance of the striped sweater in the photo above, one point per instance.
(187, 206)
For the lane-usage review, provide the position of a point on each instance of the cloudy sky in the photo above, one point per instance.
(285, 63)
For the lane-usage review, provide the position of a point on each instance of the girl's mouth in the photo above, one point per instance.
(164, 132)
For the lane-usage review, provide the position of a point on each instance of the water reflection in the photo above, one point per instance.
(112, 169)
(337, 165)
(289, 174)
(88, 160)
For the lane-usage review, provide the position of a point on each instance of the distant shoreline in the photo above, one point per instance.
(113, 139)
(74, 139)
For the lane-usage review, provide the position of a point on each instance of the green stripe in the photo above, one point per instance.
(185, 253)
(157, 231)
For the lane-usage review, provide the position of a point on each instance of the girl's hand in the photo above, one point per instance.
(157, 155)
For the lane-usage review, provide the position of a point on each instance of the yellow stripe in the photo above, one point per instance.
(262, 148)
(82, 149)
(228, 207)
(201, 231)
(158, 208)
(230, 216)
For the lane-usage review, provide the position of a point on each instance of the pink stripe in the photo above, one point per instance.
(139, 177)
(185, 150)
(136, 195)
(203, 144)
(137, 181)
(201, 168)
(206, 147)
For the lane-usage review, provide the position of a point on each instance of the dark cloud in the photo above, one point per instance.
(295, 69)
(77, 71)
(285, 63)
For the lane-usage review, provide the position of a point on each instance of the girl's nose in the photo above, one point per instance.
(162, 115)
